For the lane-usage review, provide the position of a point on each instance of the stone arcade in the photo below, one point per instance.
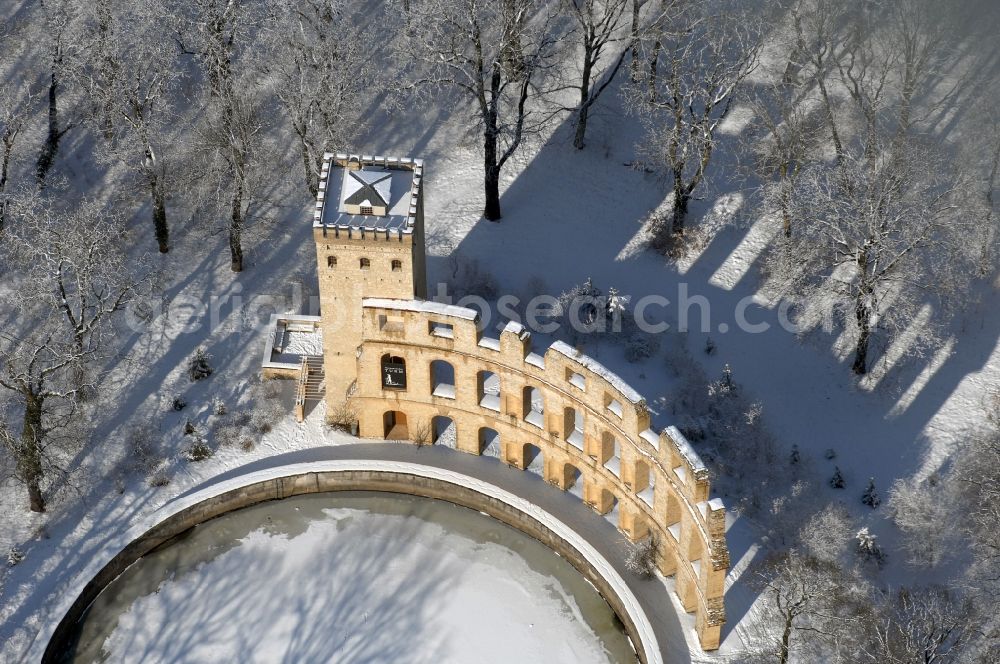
(410, 368)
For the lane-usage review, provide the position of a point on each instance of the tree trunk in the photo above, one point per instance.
(786, 639)
(652, 70)
(831, 120)
(681, 199)
(511, 49)
(159, 215)
(862, 314)
(492, 186)
(48, 154)
(584, 110)
(236, 229)
(312, 180)
(581, 126)
(8, 147)
(785, 198)
(30, 459)
(634, 33)
(491, 180)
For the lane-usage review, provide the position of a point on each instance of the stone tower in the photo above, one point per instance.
(369, 232)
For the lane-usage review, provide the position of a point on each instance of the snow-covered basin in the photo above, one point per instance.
(353, 577)
(321, 581)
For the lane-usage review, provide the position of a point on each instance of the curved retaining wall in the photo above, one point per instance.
(592, 428)
(186, 512)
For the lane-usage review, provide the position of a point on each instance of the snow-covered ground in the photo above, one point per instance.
(360, 577)
(568, 215)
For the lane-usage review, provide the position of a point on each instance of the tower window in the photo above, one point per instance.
(331, 261)
(366, 209)
(365, 263)
(397, 265)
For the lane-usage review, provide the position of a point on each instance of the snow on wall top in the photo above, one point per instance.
(420, 306)
(684, 448)
(599, 369)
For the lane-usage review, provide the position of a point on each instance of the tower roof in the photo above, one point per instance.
(368, 187)
(348, 182)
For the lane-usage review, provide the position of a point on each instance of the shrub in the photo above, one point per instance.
(199, 368)
(141, 450)
(642, 557)
(870, 497)
(868, 547)
(14, 556)
(641, 347)
(837, 481)
(159, 479)
(343, 417)
(197, 451)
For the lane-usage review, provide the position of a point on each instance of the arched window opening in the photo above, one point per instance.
(533, 406)
(393, 372)
(442, 379)
(489, 442)
(395, 426)
(573, 427)
(488, 390)
(443, 431)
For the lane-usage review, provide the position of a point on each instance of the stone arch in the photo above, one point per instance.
(533, 459)
(444, 431)
(571, 478)
(442, 379)
(533, 406)
(644, 482)
(573, 427)
(395, 425)
(489, 442)
(488, 390)
(606, 503)
(611, 453)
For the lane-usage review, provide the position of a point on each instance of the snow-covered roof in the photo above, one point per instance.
(390, 182)
(369, 186)
(421, 306)
(599, 369)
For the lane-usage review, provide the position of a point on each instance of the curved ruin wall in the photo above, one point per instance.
(656, 481)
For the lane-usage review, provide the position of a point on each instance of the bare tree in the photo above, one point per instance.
(977, 471)
(57, 29)
(131, 77)
(919, 626)
(325, 76)
(16, 109)
(879, 236)
(229, 146)
(806, 603)
(816, 25)
(600, 27)
(699, 58)
(495, 53)
(785, 137)
(75, 263)
(72, 276)
(36, 372)
(217, 33)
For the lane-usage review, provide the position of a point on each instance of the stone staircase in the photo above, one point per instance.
(311, 384)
